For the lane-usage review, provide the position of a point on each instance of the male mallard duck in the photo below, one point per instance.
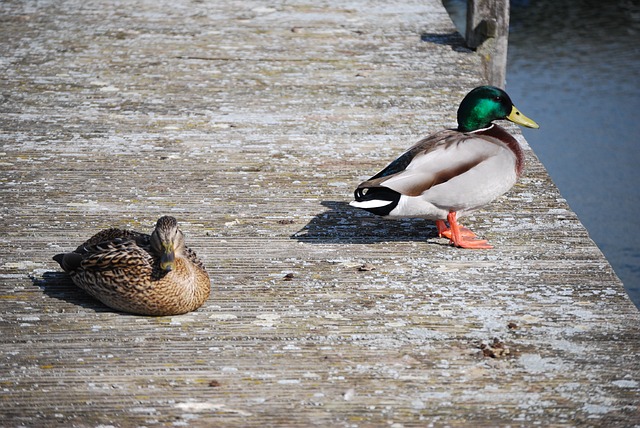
(452, 172)
(138, 273)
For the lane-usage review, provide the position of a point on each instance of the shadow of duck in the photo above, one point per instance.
(347, 225)
(59, 286)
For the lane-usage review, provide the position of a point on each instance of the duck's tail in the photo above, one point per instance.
(68, 261)
(377, 200)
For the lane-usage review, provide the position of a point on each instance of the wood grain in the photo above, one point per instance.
(252, 122)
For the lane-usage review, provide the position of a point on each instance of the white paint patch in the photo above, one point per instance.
(267, 320)
(223, 317)
(23, 265)
(109, 89)
(204, 406)
(291, 348)
(335, 316)
(424, 333)
(349, 394)
(596, 409)
(148, 410)
(534, 363)
(396, 324)
(625, 383)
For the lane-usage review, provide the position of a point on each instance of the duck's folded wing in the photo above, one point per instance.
(433, 163)
(107, 235)
(117, 253)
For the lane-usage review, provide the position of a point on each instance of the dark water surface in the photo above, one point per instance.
(574, 67)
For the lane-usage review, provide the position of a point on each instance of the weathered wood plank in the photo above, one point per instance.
(252, 123)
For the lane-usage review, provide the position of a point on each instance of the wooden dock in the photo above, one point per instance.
(252, 122)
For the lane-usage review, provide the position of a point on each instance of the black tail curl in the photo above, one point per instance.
(389, 199)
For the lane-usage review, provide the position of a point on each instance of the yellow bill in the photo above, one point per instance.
(516, 117)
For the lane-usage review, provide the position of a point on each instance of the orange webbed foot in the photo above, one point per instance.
(464, 233)
(460, 236)
(445, 232)
(474, 244)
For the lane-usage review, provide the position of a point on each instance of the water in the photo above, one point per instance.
(574, 67)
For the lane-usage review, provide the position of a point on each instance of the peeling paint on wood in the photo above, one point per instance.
(252, 123)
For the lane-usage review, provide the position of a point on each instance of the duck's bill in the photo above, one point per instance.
(167, 261)
(516, 117)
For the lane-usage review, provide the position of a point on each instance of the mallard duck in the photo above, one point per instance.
(453, 172)
(138, 273)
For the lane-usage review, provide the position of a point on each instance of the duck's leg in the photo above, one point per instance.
(463, 240)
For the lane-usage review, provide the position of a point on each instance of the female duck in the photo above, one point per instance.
(138, 273)
(453, 172)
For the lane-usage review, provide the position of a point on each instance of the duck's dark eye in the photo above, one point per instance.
(498, 98)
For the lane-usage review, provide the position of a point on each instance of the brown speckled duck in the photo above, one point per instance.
(138, 273)
(453, 172)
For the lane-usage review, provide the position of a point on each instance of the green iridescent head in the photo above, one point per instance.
(485, 104)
